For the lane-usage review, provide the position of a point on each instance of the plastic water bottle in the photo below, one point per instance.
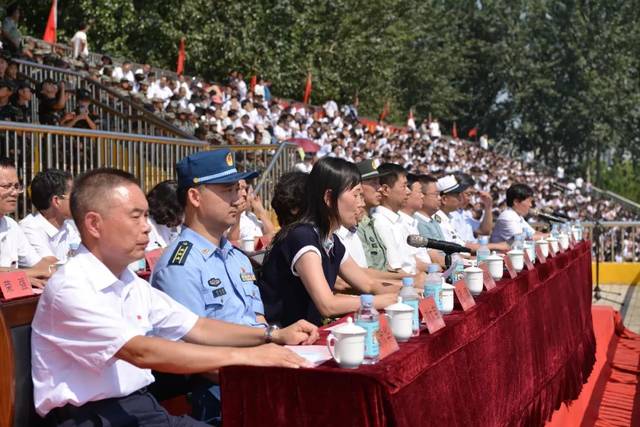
(410, 297)
(578, 230)
(517, 242)
(458, 271)
(433, 285)
(483, 251)
(555, 231)
(367, 317)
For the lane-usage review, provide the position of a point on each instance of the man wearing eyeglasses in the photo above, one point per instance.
(15, 250)
(50, 229)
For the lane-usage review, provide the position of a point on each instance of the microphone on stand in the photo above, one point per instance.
(447, 247)
(546, 216)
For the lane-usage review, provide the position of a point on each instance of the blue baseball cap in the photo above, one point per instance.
(210, 167)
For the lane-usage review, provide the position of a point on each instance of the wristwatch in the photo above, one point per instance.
(268, 333)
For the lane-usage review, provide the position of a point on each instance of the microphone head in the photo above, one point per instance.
(416, 240)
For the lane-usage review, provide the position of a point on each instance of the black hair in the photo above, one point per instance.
(93, 185)
(289, 201)
(427, 179)
(464, 180)
(390, 173)
(163, 204)
(11, 9)
(46, 184)
(6, 162)
(518, 192)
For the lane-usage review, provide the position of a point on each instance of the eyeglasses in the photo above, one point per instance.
(18, 188)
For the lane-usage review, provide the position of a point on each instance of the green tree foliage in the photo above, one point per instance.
(560, 77)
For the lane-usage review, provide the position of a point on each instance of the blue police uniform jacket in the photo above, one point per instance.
(214, 282)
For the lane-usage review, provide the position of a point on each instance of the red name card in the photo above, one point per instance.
(152, 257)
(527, 261)
(15, 284)
(540, 256)
(487, 278)
(431, 315)
(510, 269)
(386, 340)
(464, 296)
(552, 251)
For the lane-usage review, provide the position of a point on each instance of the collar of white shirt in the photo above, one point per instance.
(388, 214)
(101, 277)
(43, 223)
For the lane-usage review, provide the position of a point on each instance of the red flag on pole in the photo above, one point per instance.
(181, 57)
(253, 83)
(454, 131)
(385, 111)
(52, 24)
(473, 132)
(307, 89)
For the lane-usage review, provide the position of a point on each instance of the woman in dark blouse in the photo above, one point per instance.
(305, 258)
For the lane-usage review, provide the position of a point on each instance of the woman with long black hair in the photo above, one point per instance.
(306, 257)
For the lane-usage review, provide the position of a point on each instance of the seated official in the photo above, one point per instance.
(46, 229)
(511, 221)
(99, 329)
(468, 227)
(389, 223)
(201, 269)
(165, 214)
(253, 221)
(300, 270)
(431, 203)
(15, 250)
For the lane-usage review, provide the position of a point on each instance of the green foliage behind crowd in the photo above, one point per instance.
(560, 77)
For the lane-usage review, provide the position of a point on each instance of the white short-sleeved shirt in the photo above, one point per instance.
(392, 232)
(449, 231)
(160, 235)
(411, 227)
(84, 316)
(78, 39)
(15, 249)
(66, 241)
(40, 233)
(508, 224)
(353, 245)
(250, 226)
(465, 224)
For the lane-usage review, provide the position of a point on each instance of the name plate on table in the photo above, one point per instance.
(512, 271)
(572, 241)
(540, 256)
(431, 315)
(464, 296)
(152, 257)
(386, 340)
(15, 284)
(552, 251)
(527, 261)
(487, 278)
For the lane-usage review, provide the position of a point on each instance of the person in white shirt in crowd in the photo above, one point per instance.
(165, 214)
(123, 72)
(99, 329)
(388, 223)
(15, 250)
(434, 129)
(45, 228)
(512, 220)
(306, 164)
(254, 221)
(79, 42)
(281, 131)
(463, 221)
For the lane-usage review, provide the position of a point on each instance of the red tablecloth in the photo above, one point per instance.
(524, 349)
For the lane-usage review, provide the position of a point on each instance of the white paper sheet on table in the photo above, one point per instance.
(316, 354)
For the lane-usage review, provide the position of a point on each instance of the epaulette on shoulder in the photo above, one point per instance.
(179, 255)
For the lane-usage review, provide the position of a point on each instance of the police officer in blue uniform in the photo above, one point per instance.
(201, 269)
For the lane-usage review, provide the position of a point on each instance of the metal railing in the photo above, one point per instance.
(34, 148)
(117, 113)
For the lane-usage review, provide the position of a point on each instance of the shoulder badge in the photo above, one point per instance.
(179, 255)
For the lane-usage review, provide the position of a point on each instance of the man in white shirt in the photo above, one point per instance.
(15, 250)
(79, 42)
(512, 220)
(123, 72)
(50, 193)
(99, 329)
(406, 212)
(388, 223)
